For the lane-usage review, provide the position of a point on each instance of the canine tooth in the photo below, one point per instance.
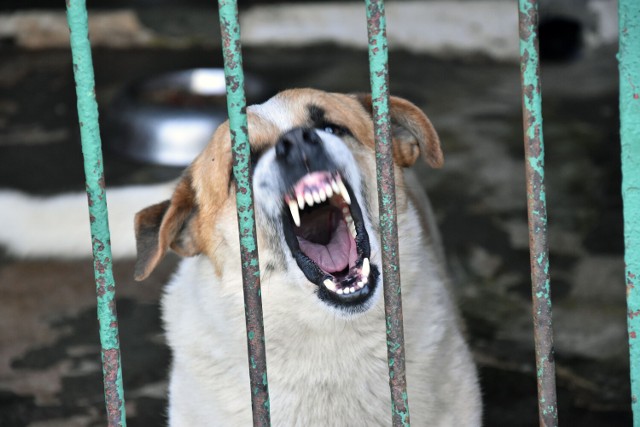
(328, 190)
(335, 187)
(308, 198)
(295, 214)
(366, 267)
(339, 292)
(300, 201)
(322, 194)
(328, 283)
(316, 197)
(344, 192)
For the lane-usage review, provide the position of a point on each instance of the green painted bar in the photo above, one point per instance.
(629, 63)
(537, 212)
(92, 152)
(236, 104)
(379, 74)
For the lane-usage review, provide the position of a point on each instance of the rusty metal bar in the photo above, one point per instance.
(236, 104)
(537, 212)
(94, 175)
(629, 62)
(379, 74)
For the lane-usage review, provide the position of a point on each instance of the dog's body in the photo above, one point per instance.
(323, 315)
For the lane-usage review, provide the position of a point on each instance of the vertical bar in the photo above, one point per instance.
(537, 212)
(94, 175)
(236, 104)
(379, 74)
(629, 62)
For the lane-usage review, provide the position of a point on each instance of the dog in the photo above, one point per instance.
(317, 224)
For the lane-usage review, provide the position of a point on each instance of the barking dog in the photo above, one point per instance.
(313, 166)
(317, 224)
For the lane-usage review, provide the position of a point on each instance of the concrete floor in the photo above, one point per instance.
(49, 352)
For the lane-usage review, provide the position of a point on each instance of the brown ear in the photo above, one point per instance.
(411, 131)
(166, 225)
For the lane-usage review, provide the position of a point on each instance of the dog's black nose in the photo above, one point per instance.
(301, 151)
(298, 145)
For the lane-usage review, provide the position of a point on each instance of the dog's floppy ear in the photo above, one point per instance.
(165, 225)
(412, 132)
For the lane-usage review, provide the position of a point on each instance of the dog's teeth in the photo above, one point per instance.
(316, 197)
(352, 229)
(365, 280)
(328, 283)
(295, 214)
(328, 190)
(352, 289)
(366, 268)
(300, 198)
(335, 187)
(339, 292)
(360, 285)
(346, 211)
(322, 194)
(344, 193)
(347, 290)
(308, 198)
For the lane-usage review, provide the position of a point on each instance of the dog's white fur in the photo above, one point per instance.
(326, 368)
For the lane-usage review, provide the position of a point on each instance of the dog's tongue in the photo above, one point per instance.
(335, 255)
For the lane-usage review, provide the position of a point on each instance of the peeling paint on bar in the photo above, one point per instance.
(379, 73)
(536, 204)
(92, 152)
(629, 63)
(236, 104)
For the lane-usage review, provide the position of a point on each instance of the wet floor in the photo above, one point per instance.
(49, 352)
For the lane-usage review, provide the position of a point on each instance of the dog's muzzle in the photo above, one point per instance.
(323, 222)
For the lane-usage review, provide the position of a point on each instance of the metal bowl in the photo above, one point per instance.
(170, 118)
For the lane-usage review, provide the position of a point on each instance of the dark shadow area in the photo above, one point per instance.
(561, 39)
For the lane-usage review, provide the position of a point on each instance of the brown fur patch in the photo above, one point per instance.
(147, 227)
(164, 225)
(417, 135)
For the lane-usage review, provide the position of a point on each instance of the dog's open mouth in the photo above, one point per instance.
(325, 230)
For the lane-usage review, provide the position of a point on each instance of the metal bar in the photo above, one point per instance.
(379, 74)
(537, 212)
(236, 104)
(94, 175)
(629, 62)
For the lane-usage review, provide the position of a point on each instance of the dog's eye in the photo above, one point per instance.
(333, 129)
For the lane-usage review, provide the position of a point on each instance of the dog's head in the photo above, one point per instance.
(313, 171)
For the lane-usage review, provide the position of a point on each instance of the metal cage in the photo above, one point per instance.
(629, 57)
